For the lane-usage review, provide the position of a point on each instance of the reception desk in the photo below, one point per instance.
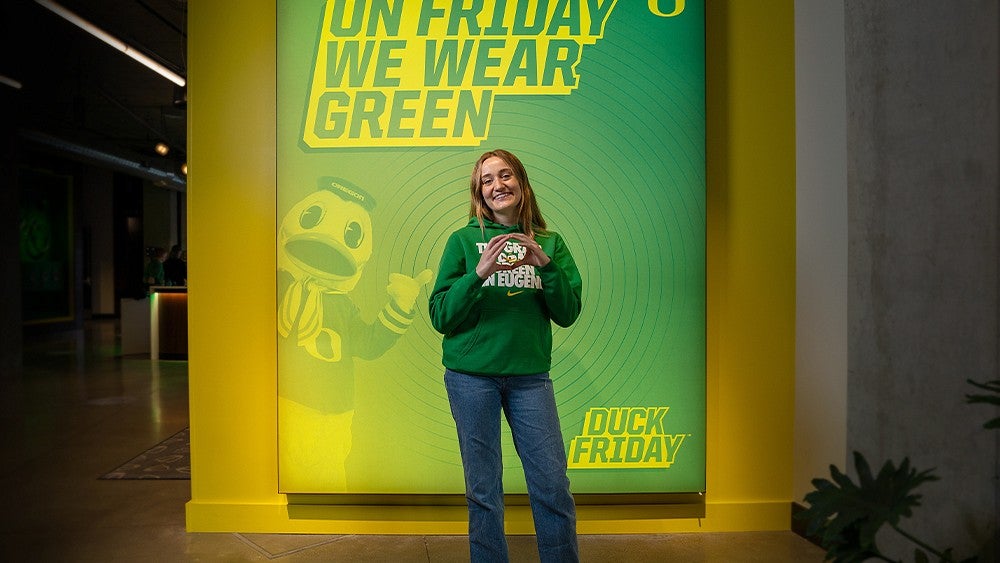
(135, 326)
(168, 330)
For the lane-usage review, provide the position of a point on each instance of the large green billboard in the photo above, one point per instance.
(383, 108)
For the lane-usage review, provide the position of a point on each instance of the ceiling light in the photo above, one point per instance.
(161, 149)
(184, 169)
(113, 41)
(15, 84)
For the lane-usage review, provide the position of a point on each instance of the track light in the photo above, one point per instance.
(113, 41)
(15, 84)
(161, 149)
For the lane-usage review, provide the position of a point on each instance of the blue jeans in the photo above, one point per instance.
(529, 404)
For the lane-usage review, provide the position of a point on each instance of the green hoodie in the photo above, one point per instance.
(500, 326)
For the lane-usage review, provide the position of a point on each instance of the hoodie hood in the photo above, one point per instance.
(493, 226)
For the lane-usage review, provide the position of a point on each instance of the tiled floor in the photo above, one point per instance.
(79, 411)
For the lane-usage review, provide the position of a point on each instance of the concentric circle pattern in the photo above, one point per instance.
(618, 167)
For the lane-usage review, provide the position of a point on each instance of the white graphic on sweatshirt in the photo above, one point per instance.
(521, 277)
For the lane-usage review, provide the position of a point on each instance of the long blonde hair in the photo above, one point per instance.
(529, 217)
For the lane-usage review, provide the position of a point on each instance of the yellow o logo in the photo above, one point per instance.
(654, 6)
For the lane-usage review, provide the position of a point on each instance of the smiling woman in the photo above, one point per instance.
(496, 320)
(500, 173)
(501, 190)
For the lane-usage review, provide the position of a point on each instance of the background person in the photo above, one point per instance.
(153, 273)
(174, 267)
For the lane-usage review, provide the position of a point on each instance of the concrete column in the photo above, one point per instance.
(922, 154)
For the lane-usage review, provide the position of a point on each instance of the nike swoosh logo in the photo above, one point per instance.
(509, 294)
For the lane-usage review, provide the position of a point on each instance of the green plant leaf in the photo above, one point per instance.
(846, 516)
(991, 386)
(994, 399)
(988, 399)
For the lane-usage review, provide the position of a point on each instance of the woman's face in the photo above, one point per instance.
(500, 188)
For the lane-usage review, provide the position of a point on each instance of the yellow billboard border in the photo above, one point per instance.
(232, 335)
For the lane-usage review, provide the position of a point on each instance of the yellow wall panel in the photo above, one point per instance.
(232, 260)
(232, 341)
(751, 250)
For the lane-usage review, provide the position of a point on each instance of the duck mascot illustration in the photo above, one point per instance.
(324, 243)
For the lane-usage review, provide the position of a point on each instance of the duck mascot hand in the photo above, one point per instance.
(403, 290)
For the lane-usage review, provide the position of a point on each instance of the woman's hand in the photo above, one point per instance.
(488, 259)
(535, 255)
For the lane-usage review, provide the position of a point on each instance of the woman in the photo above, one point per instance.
(503, 280)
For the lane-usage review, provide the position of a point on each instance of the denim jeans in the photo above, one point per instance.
(528, 403)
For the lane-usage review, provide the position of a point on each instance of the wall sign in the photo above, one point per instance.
(383, 107)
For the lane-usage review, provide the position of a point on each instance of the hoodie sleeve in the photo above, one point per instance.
(456, 292)
(562, 285)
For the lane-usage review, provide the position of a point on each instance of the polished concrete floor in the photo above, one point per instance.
(79, 410)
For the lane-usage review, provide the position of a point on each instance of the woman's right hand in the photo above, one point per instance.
(488, 259)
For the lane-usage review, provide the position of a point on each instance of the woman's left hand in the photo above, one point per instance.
(535, 256)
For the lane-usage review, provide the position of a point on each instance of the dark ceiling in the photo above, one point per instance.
(83, 98)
